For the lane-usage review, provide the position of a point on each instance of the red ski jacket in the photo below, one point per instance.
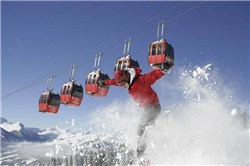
(140, 89)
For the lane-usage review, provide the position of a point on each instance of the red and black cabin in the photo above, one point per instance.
(71, 94)
(160, 52)
(92, 87)
(125, 62)
(49, 102)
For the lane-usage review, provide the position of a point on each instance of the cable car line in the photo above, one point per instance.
(107, 40)
(41, 79)
(173, 18)
(144, 22)
(31, 84)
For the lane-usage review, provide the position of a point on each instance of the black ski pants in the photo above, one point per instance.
(148, 117)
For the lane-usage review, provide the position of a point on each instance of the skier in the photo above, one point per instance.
(139, 88)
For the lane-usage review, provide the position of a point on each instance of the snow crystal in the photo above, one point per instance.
(29, 161)
(152, 145)
(73, 122)
(118, 156)
(234, 112)
(127, 151)
(49, 154)
(198, 97)
(58, 148)
(201, 72)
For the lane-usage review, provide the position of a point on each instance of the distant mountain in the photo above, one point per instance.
(2, 120)
(17, 132)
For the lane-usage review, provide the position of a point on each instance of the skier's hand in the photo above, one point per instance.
(165, 67)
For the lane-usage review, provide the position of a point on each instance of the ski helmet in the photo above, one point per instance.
(122, 77)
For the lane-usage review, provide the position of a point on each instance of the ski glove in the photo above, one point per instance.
(165, 67)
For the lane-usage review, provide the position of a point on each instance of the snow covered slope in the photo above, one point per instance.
(197, 125)
(32, 146)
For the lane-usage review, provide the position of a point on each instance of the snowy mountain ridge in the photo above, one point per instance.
(2, 120)
(12, 126)
(17, 132)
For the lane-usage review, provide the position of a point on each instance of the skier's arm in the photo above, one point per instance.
(152, 76)
(110, 82)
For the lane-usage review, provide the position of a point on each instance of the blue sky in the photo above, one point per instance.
(42, 38)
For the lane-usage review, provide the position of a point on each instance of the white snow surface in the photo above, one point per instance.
(196, 128)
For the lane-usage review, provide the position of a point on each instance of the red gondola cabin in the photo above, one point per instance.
(91, 85)
(71, 94)
(49, 102)
(92, 81)
(160, 52)
(125, 62)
